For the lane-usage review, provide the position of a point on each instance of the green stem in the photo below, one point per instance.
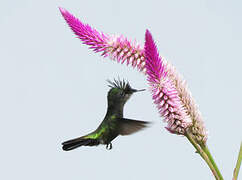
(206, 150)
(207, 157)
(237, 167)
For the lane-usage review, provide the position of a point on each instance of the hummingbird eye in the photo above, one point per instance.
(123, 93)
(128, 89)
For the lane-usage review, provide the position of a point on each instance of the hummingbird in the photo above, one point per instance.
(113, 123)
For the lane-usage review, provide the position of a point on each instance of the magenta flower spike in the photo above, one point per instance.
(117, 47)
(89, 36)
(129, 52)
(165, 94)
(169, 90)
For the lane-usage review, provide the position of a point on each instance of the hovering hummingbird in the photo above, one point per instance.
(113, 124)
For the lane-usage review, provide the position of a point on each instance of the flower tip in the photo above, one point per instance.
(147, 32)
(151, 51)
(63, 11)
(148, 36)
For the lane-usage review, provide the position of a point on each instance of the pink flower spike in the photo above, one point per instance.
(117, 48)
(155, 67)
(88, 35)
(125, 51)
(169, 103)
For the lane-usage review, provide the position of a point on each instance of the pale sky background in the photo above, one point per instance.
(53, 88)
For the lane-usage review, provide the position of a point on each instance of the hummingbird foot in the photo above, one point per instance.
(109, 146)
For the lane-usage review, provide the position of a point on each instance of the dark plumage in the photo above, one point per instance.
(113, 124)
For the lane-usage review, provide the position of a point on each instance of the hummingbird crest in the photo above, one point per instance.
(122, 85)
(119, 93)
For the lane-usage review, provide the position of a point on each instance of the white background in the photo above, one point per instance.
(53, 88)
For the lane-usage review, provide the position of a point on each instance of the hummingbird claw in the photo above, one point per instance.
(109, 146)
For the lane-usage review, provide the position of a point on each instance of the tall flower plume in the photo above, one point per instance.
(116, 47)
(126, 51)
(164, 92)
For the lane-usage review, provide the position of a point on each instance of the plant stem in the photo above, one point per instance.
(237, 167)
(205, 154)
(206, 150)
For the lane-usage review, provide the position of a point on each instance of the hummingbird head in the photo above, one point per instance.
(120, 92)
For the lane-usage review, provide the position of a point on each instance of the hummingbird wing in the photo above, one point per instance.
(130, 126)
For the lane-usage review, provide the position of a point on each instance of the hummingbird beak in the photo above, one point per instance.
(135, 90)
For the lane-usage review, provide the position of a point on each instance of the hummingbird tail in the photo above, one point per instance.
(75, 143)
